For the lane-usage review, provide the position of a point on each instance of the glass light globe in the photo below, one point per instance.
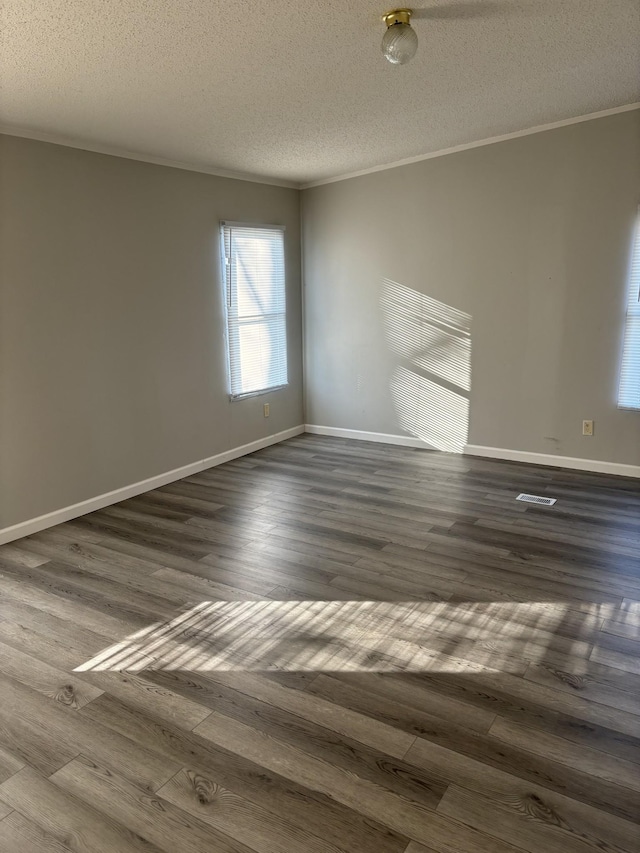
(399, 44)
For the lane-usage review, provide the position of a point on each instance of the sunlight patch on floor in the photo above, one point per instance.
(353, 636)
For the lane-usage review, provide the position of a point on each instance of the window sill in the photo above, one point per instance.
(235, 397)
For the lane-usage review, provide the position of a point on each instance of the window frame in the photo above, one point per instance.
(631, 314)
(226, 274)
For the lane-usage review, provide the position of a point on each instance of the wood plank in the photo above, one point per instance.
(580, 795)
(51, 639)
(338, 719)
(46, 679)
(400, 814)
(588, 760)
(9, 763)
(606, 688)
(263, 831)
(618, 660)
(143, 692)
(155, 819)
(47, 735)
(425, 704)
(21, 834)
(17, 554)
(73, 821)
(343, 754)
(306, 808)
(553, 710)
(18, 594)
(526, 820)
(442, 733)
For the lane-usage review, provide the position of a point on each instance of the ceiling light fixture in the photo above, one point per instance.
(400, 42)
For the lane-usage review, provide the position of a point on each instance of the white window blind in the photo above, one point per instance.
(254, 278)
(629, 394)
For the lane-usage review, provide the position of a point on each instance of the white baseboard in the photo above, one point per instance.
(236, 452)
(25, 528)
(574, 462)
(359, 435)
(33, 525)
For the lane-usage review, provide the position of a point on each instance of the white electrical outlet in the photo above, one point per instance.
(265, 408)
(587, 427)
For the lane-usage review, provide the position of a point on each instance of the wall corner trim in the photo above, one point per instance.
(33, 525)
(574, 462)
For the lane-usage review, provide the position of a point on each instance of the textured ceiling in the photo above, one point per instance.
(299, 90)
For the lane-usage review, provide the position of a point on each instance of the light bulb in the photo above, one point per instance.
(399, 44)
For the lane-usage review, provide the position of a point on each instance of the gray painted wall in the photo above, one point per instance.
(112, 364)
(510, 260)
(530, 238)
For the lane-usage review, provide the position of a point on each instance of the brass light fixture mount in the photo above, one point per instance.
(398, 16)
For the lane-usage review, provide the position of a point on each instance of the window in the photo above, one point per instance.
(629, 394)
(253, 272)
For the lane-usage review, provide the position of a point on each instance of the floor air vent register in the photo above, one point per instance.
(536, 499)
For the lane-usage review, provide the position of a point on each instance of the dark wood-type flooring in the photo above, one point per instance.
(328, 646)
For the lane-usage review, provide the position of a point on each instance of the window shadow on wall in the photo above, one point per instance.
(431, 379)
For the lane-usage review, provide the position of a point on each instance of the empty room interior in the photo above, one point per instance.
(320, 426)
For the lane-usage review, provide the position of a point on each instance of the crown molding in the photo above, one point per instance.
(541, 128)
(113, 151)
